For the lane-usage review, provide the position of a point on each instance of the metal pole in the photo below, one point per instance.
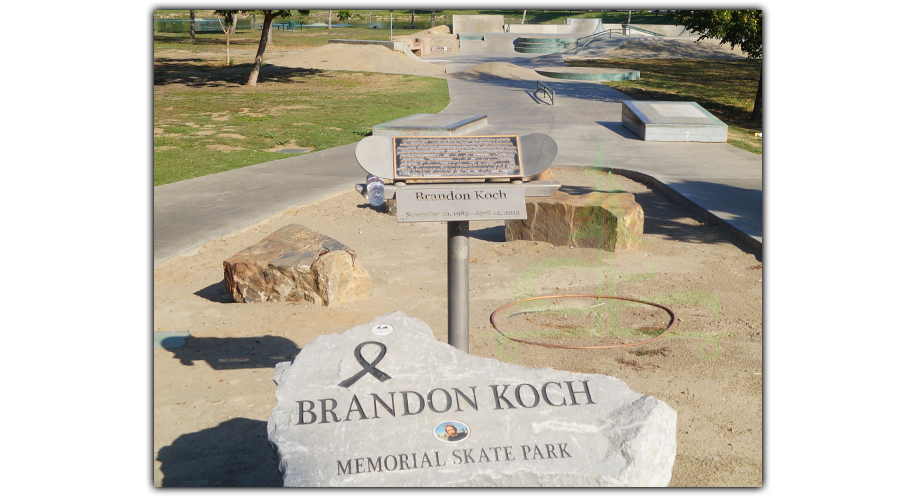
(458, 284)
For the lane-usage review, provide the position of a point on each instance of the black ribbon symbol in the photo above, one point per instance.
(367, 367)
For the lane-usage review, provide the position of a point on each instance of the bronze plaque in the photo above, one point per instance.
(475, 157)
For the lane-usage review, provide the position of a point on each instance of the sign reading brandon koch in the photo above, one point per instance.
(369, 408)
(477, 201)
(440, 400)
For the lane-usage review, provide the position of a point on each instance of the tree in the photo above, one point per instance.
(264, 38)
(737, 27)
(193, 27)
(329, 19)
(412, 20)
(230, 20)
(344, 15)
(432, 19)
(523, 16)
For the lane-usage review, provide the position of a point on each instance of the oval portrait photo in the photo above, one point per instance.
(451, 431)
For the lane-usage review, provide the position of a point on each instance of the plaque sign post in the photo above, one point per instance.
(448, 182)
(458, 284)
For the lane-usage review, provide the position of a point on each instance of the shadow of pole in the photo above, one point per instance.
(237, 353)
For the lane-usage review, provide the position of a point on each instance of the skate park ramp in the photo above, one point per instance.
(655, 47)
(488, 43)
(478, 24)
(495, 69)
(350, 57)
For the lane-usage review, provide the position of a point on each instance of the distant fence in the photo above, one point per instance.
(200, 25)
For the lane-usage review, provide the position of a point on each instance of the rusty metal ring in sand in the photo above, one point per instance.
(664, 308)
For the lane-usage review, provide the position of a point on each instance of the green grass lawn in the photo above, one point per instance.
(727, 89)
(206, 121)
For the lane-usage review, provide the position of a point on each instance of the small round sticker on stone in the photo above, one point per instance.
(451, 431)
(382, 329)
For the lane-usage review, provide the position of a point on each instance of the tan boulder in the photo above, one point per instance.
(294, 264)
(608, 221)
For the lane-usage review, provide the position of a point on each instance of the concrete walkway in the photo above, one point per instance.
(585, 121)
(189, 213)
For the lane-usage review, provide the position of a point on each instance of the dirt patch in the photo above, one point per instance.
(216, 393)
(353, 57)
(298, 106)
(669, 48)
(290, 145)
(224, 148)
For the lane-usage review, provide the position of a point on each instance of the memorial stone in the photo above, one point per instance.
(609, 221)
(386, 404)
(297, 264)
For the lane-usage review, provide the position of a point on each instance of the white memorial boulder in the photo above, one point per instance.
(385, 404)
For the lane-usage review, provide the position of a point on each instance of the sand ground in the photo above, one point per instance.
(212, 398)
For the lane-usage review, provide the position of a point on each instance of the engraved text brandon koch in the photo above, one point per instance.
(404, 403)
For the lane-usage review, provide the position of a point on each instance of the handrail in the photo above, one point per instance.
(595, 36)
(630, 27)
(545, 89)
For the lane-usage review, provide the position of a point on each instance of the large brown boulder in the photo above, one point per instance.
(294, 264)
(609, 221)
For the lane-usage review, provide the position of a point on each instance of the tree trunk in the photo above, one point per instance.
(193, 27)
(758, 104)
(228, 28)
(263, 39)
(329, 19)
(412, 19)
(228, 35)
(523, 16)
(432, 19)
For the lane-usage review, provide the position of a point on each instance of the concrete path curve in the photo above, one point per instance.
(715, 179)
(585, 121)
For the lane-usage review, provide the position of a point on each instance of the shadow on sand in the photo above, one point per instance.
(237, 352)
(234, 453)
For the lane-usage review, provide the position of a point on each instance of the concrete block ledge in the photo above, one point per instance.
(393, 45)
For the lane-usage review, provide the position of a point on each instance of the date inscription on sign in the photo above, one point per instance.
(477, 157)
(446, 202)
